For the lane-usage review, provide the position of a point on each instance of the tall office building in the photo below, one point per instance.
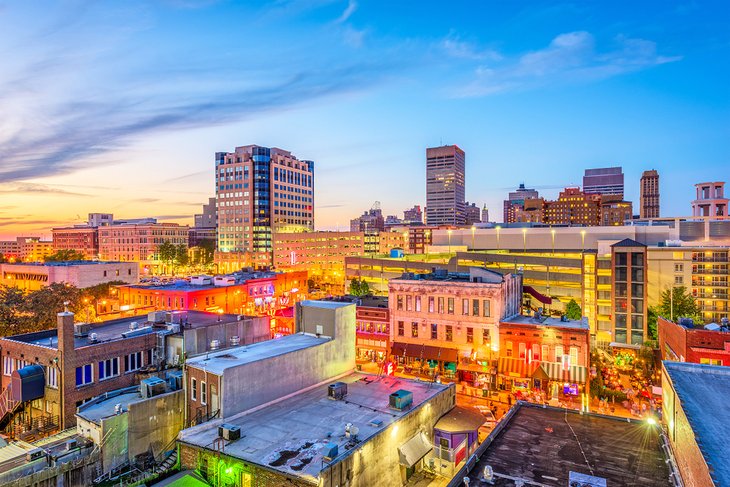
(649, 198)
(445, 174)
(606, 180)
(516, 201)
(260, 190)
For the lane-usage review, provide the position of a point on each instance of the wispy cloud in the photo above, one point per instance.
(192, 175)
(33, 188)
(456, 47)
(569, 58)
(347, 13)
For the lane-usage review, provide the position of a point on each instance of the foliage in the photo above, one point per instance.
(573, 311)
(65, 255)
(181, 255)
(678, 303)
(44, 304)
(206, 252)
(166, 252)
(651, 322)
(359, 287)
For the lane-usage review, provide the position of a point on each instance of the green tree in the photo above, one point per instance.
(207, 252)
(43, 305)
(573, 311)
(651, 322)
(166, 252)
(678, 303)
(13, 317)
(65, 255)
(181, 255)
(359, 287)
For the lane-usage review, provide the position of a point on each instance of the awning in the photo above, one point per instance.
(539, 296)
(482, 369)
(414, 449)
(576, 374)
(423, 352)
(517, 367)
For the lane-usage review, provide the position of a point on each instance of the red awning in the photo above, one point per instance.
(540, 297)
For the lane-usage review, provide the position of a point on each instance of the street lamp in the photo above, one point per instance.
(552, 233)
(473, 229)
(449, 232)
(583, 240)
(524, 240)
(498, 228)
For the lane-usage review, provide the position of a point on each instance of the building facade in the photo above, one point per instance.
(81, 274)
(261, 190)
(649, 194)
(473, 214)
(445, 185)
(516, 200)
(696, 345)
(139, 242)
(82, 239)
(606, 180)
(710, 200)
(413, 216)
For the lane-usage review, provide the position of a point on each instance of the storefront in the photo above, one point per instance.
(424, 359)
(517, 375)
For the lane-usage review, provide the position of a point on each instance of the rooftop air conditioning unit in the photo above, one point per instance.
(229, 431)
(93, 337)
(33, 454)
(152, 386)
(215, 344)
(330, 452)
(235, 341)
(174, 379)
(81, 329)
(400, 399)
(174, 327)
(337, 391)
(156, 317)
(133, 325)
(71, 444)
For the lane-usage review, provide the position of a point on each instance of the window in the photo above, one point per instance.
(109, 368)
(521, 347)
(401, 329)
(465, 307)
(7, 365)
(711, 361)
(475, 307)
(558, 353)
(449, 333)
(434, 331)
(441, 305)
(193, 389)
(678, 267)
(414, 329)
(535, 351)
(203, 393)
(450, 306)
(486, 338)
(52, 377)
(678, 280)
(486, 308)
(469, 335)
(545, 353)
(508, 349)
(409, 303)
(84, 375)
(133, 361)
(399, 302)
(573, 355)
(430, 304)
(418, 303)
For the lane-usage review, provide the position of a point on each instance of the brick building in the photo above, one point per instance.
(83, 239)
(697, 345)
(82, 274)
(544, 354)
(139, 242)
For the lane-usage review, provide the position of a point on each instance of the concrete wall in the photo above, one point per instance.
(114, 446)
(154, 423)
(282, 375)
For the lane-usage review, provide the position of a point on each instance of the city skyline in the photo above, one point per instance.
(124, 115)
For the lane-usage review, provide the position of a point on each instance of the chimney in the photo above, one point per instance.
(65, 331)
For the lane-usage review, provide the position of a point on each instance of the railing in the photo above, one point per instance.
(7, 404)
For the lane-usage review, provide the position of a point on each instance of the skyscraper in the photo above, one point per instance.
(649, 198)
(445, 175)
(260, 190)
(516, 201)
(605, 180)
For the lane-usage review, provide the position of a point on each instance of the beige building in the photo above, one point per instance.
(139, 242)
(80, 274)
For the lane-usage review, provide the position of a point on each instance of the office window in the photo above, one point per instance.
(449, 333)
(450, 306)
(401, 328)
(418, 303)
(194, 389)
(430, 304)
(109, 368)
(465, 307)
(434, 331)
(469, 335)
(414, 329)
(133, 361)
(203, 393)
(399, 302)
(84, 375)
(475, 307)
(486, 308)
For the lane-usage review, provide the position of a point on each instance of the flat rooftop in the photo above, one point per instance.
(186, 286)
(537, 444)
(103, 406)
(217, 362)
(66, 263)
(546, 321)
(290, 435)
(112, 330)
(703, 391)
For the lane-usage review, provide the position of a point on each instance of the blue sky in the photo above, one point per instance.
(120, 106)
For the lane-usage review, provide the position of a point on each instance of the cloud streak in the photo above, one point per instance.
(569, 58)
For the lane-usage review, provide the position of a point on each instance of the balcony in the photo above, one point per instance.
(716, 272)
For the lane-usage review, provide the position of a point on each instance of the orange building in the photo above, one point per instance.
(82, 239)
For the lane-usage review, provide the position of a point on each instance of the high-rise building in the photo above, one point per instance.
(516, 200)
(710, 200)
(574, 207)
(413, 215)
(445, 181)
(369, 222)
(649, 198)
(605, 180)
(485, 214)
(473, 214)
(207, 219)
(260, 190)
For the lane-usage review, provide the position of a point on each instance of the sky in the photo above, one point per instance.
(120, 106)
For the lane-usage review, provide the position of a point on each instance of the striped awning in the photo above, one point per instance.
(575, 374)
(520, 368)
(517, 367)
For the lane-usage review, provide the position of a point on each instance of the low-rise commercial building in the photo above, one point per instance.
(83, 239)
(81, 274)
(694, 401)
(685, 343)
(140, 242)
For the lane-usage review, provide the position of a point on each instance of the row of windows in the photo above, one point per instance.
(448, 332)
(109, 368)
(194, 391)
(542, 352)
(445, 305)
(10, 364)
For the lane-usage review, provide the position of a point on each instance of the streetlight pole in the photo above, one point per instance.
(473, 229)
(524, 240)
(449, 232)
(552, 233)
(583, 240)
(498, 228)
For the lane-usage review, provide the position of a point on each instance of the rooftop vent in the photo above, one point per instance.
(118, 408)
(152, 386)
(133, 325)
(215, 344)
(81, 329)
(337, 391)
(229, 431)
(93, 337)
(400, 399)
(234, 341)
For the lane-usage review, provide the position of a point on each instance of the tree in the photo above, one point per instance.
(359, 287)
(678, 303)
(65, 255)
(573, 311)
(13, 318)
(166, 252)
(43, 305)
(181, 255)
(651, 322)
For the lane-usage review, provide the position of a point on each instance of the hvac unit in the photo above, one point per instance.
(235, 341)
(33, 454)
(173, 327)
(400, 399)
(133, 325)
(174, 379)
(229, 431)
(156, 317)
(330, 452)
(576, 479)
(337, 391)
(81, 329)
(152, 386)
(215, 344)
(71, 444)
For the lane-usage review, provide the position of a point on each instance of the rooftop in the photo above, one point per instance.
(475, 275)
(66, 263)
(546, 321)
(186, 285)
(234, 357)
(291, 435)
(113, 329)
(544, 445)
(703, 391)
(103, 406)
